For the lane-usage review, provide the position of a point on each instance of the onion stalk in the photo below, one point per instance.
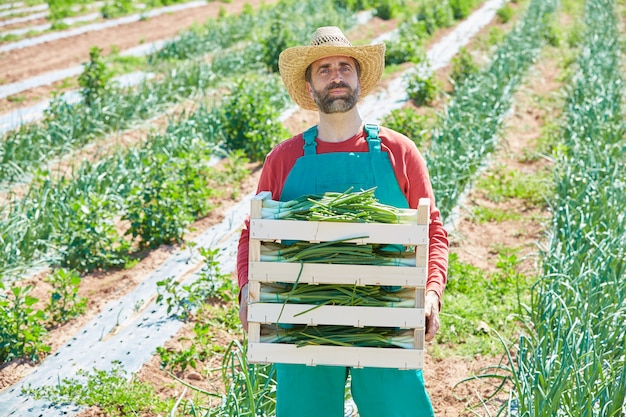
(303, 335)
(337, 252)
(349, 206)
(340, 295)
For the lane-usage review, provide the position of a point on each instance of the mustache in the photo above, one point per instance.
(338, 85)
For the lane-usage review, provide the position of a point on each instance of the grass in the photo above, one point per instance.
(478, 304)
(500, 183)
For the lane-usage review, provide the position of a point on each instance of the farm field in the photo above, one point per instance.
(503, 192)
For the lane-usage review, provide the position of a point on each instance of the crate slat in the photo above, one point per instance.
(357, 357)
(360, 233)
(337, 274)
(356, 316)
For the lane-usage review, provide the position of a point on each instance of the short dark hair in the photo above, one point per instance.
(307, 73)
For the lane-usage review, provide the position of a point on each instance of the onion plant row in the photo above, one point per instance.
(469, 128)
(67, 127)
(573, 361)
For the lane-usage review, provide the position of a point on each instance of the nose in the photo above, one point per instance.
(336, 76)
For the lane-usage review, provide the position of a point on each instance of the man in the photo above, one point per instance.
(330, 75)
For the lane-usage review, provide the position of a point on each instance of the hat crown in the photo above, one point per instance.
(331, 36)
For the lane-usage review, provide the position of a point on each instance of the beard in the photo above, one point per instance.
(336, 104)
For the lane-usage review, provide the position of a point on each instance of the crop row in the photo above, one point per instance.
(573, 360)
(107, 108)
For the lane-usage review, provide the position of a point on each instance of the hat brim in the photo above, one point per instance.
(293, 62)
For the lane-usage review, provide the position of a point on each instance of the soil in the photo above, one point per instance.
(474, 243)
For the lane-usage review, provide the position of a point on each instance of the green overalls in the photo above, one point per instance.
(318, 391)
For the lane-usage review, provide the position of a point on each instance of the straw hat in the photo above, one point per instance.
(328, 41)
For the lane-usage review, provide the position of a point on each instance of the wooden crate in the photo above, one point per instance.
(260, 273)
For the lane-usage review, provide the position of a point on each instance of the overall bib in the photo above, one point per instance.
(318, 391)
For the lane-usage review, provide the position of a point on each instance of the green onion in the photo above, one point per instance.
(336, 252)
(356, 207)
(335, 294)
(384, 337)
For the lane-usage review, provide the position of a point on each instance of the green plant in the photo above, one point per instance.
(89, 239)
(486, 214)
(167, 200)
(461, 8)
(407, 46)
(113, 391)
(279, 38)
(479, 304)
(250, 390)
(495, 36)
(94, 78)
(422, 89)
(463, 67)
(386, 9)
(116, 8)
(408, 122)
(501, 183)
(59, 9)
(183, 300)
(21, 325)
(64, 300)
(505, 13)
(249, 117)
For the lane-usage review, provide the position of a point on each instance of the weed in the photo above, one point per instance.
(501, 183)
(408, 122)
(113, 391)
(505, 13)
(463, 67)
(16, 98)
(422, 89)
(21, 325)
(478, 303)
(94, 78)
(485, 215)
(183, 300)
(64, 300)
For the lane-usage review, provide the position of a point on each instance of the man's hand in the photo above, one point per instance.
(243, 307)
(431, 309)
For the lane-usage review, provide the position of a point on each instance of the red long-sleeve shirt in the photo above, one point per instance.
(410, 170)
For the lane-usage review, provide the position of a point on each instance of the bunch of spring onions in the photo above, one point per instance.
(336, 294)
(303, 335)
(349, 206)
(337, 252)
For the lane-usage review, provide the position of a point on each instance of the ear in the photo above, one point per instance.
(309, 89)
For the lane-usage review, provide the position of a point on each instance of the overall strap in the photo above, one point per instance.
(372, 137)
(310, 145)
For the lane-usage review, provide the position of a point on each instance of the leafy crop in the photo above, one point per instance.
(422, 89)
(94, 78)
(65, 303)
(21, 325)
